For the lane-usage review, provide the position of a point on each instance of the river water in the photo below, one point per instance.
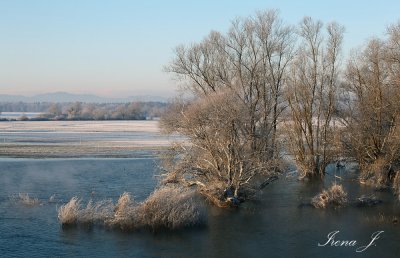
(276, 225)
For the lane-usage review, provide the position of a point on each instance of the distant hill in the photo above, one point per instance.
(70, 97)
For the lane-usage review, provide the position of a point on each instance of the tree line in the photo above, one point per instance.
(266, 90)
(88, 111)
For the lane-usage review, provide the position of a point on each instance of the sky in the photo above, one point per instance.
(119, 48)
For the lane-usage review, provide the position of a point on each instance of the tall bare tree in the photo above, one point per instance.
(372, 126)
(237, 138)
(312, 96)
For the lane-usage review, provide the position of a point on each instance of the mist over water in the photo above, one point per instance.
(277, 225)
(34, 229)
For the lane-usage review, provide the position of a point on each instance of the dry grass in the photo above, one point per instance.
(25, 199)
(334, 196)
(170, 207)
(337, 195)
(212, 191)
(125, 215)
(321, 200)
(95, 212)
(375, 174)
(68, 213)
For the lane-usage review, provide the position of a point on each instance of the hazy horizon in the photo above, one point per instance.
(118, 49)
(117, 95)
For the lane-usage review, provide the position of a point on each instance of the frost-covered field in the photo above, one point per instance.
(80, 138)
(16, 115)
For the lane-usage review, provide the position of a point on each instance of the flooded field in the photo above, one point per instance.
(277, 225)
(81, 138)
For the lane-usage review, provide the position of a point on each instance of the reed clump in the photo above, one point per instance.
(169, 207)
(25, 199)
(68, 214)
(334, 196)
(172, 207)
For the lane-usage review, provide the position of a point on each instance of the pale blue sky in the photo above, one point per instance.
(118, 48)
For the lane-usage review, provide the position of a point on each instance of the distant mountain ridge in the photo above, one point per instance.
(71, 97)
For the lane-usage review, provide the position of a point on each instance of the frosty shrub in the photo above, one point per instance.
(68, 213)
(170, 207)
(25, 199)
(321, 200)
(74, 213)
(125, 215)
(334, 196)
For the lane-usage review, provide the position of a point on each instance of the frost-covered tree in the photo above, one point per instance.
(237, 83)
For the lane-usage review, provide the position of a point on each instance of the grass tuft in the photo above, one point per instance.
(334, 196)
(170, 207)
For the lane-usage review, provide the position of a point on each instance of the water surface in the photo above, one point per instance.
(275, 226)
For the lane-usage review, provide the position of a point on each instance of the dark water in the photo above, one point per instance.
(275, 226)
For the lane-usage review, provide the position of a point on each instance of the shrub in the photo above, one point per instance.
(337, 195)
(170, 207)
(334, 196)
(321, 200)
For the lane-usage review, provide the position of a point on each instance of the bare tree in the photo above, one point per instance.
(74, 110)
(312, 95)
(55, 109)
(372, 129)
(237, 80)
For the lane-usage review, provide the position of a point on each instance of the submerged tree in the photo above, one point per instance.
(312, 96)
(258, 84)
(371, 118)
(237, 82)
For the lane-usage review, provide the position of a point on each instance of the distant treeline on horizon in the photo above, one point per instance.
(86, 111)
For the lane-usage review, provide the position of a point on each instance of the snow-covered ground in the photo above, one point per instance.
(80, 138)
